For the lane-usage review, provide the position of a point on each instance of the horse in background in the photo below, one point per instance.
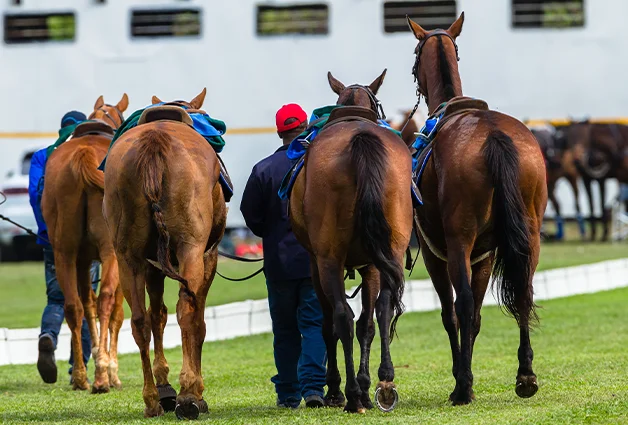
(600, 153)
(408, 126)
(163, 203)
(484, 196)
(559, 163)
(72, 208)
(351, 209)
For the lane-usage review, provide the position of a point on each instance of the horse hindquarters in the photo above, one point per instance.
(518, 245)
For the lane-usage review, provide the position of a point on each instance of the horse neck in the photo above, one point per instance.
(443, 81)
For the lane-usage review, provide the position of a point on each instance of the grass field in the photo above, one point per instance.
(24, 295)
(580, 360)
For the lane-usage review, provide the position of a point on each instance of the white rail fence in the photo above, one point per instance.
(19, 346)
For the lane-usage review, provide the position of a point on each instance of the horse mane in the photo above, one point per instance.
(445, 71)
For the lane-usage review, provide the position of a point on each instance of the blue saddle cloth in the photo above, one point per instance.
(420, 157)
(298, 147)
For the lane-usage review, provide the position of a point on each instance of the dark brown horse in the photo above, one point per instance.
(484, 195)
(72, 207)
(601, 153)
(351, 208)
(164, 203)
(559, 163)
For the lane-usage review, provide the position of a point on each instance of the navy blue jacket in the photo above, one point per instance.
(267, 217)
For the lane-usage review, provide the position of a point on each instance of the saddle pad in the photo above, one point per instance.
(288, 181)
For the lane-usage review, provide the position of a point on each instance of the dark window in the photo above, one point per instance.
(547, 13)
(40, 27)
(430, 14)
(307, 19)
(166, 23)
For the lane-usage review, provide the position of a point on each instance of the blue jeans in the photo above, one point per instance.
(299, 348)
(53, 315)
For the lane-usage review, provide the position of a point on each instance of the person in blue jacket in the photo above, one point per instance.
(53, 314)
(299, 348)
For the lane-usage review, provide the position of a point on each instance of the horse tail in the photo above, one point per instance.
(368, 157)
(84, 166)
(153, 148)
(513, 261)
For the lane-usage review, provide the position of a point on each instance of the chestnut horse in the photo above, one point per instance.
(484, 194)
(351, 207)
(72, 208)
(163, 198)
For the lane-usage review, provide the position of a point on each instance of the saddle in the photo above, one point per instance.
(93, 127)
(351, 113)
(165, 113)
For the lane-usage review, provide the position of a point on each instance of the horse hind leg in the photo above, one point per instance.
(527, 384)
(459, 270)
(117, 317)
(330, 272)
(365, 330)
(158, 313)
(106, 300)
(190, 311)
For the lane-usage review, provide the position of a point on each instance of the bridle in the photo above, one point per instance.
(108, 116)
(376, 105)
(415, 68)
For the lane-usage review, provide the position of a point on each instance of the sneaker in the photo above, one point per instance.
(314, 401)
(289, 403)
(46, 365)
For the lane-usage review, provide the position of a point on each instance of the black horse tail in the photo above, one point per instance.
(153, 147)
(368, 157)
(513, 261)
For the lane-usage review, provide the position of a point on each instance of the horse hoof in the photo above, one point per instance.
(203, 407)
(116, 384)
(460, 398)
(335, 400)
(100, 388)
(187, 409)
(80, 386)
(366, 401)
(526, 386)
(355, 407)
(167, 397)
(386, 396)
(151, 412)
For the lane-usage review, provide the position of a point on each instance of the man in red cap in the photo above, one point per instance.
(299, 349)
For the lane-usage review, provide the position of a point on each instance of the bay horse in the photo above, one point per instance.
(163, 202)
(351, 207)
(600, 154)
(484, 193)
(72, 208)
(559, 163)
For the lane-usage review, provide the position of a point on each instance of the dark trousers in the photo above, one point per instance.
(52, 318)
(300, 353)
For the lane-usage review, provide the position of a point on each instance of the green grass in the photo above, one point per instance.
(24, 295)
(580, 361)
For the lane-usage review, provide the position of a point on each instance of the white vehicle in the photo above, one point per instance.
(15, 243)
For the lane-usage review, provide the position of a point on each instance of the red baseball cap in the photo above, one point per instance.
(291, 110)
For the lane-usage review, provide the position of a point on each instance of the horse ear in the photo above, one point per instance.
(335, 85)
(197, 102)
(416, 29)
(123, 104)
(375, 85)
(100, 102)
(156, 100)
(456, 28)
